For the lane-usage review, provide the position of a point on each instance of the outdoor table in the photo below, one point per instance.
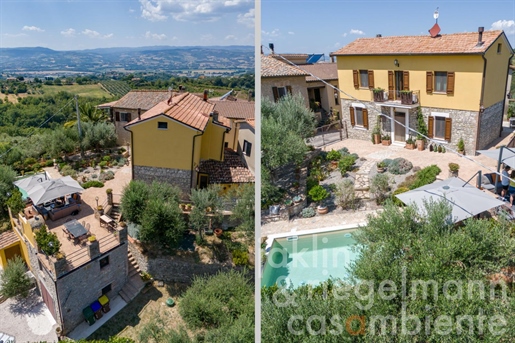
(104, 219)
(97, 309)
(89, 316)
(75, 228)
(104, 301)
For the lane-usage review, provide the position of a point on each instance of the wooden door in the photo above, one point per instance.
(399, 130)
(47, 299)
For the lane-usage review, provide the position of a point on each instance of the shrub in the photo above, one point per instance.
(67, 170)
(240, 258)
(311, 182)
(36, 166)
(346, 163)
(49, 163)
(94, 176)
(121, 162)
(92, 183)
(344, 151)
(426, 176)
(29, 161)
(106, 158)
(308, 212)
(14, 280)
(379, 186)
(47, 241)
(387, 162)
(318, 193)
(399, 190)
(103, 164)
(461, 145)
(454, 167)
(345, 195)
(333, 155)
(400, 166)
(106, 176)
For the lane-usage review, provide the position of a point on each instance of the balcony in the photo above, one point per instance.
(396, 97)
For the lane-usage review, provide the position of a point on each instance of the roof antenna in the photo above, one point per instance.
(170, 100)
(435, 30)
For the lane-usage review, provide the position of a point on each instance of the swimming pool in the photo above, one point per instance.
(309, 258)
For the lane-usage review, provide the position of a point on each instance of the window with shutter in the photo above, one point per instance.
(450, 82)
(429, 81)
(355, 78)
(117, 116)
(430, 126)
(276, 93)
(365, 118)
(352, 118)
(448, 129)
(288, 89)
(440, 82)
(370, 79)
(405, 80)
(390, 85)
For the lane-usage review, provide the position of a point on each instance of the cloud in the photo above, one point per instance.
(196, 10)
(207, 38)
(32, 28)
(230, 37)
(273, 33)
(247, 18)
(345, 34)
(14, 35)
(131, 10)
(291, 33)
(155, 36)
(337, 45)
(68, 33)
(507, 25)
(94, 34)
(356, 32)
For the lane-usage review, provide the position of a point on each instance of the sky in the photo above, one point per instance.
(88, 24)
(324, 26)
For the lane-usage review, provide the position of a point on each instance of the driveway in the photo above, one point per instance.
(27, 320)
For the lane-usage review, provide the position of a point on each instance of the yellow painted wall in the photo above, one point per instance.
(496, 72)
(468, 77)
(212, 142)
(231, 137)
(3, 258)
(26, 233)
(169, 148)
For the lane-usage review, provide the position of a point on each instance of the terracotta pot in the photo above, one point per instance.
(377, 138)
(218, 232)
(386, 142)
(322, 209)
(410, 146)
(420, 144)
(380, 170)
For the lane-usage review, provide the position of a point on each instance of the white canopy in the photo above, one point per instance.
(53, 189)
(508, 156)
(466, 200)
(28, 182)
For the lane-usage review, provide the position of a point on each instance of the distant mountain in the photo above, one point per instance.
(37, 60)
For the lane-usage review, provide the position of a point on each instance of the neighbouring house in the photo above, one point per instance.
(239, 116)
(171, 140)
(322, 98)
(128, 107)
(279, 78)
(86, 268)
(458, 80)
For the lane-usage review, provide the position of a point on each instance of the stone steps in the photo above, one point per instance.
(134, 284)
(362, 182)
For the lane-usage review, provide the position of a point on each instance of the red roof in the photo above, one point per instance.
(456, 43)
(186, 108)
(144, 99)
(235, 109)
(7, 238)
(271, 67)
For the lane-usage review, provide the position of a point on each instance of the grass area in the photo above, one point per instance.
(94, 91)
(149, 304)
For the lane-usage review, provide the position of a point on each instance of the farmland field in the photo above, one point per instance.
(94, 91)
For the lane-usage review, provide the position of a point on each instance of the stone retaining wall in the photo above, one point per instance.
(178, 177)
(490, 125)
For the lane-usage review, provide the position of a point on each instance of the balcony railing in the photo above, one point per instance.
(411, 97)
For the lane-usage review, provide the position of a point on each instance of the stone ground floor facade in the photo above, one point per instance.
(476, 129)
(178, 177)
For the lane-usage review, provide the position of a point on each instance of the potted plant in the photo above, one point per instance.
(376, 133)
(100, 209)
(406, 97)
(378, 94)
(381, 167)
(461, 146)
(453, 169)
(288, 202)
(422, 129)
(439, 148)
(334, 156)
(410, 143)
(297, 199)
(386, 140)
(318, 194)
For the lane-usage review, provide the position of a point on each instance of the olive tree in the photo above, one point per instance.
(14, 280)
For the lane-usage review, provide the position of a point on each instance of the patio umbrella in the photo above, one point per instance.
(53, 189)
(466, 200)
(27, 183)
(508, 157)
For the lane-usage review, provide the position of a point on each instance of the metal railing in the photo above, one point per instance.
(411, 97)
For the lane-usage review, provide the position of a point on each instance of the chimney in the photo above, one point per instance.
(205, 94)
(215, 115)
(480, 30)
(170, 99)
(379, 35)
(139, 113)
(271, 46)
(250, 96)
(180, 89)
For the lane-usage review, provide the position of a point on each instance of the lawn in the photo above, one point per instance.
(149, 304)
(94, 91)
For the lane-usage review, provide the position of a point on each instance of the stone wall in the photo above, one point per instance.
(490, 125)
(298, 85)
(178, 177)
(79, 288)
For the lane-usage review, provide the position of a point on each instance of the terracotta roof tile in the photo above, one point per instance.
(186, 108)
(7, 238)
(231, 170)
(271, 67)
(235, 109)
(252, 122)
(144, 99)
(288, 56)
(456, 43)
(325, 71)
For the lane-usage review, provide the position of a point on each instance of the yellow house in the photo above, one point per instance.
(458, 80)
(170, 141)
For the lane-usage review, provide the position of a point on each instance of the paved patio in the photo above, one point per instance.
(28, 320)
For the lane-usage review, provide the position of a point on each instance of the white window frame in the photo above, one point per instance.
(439, 115)
(357, 106)
(247, 144)
(444, 91)
(361, 85)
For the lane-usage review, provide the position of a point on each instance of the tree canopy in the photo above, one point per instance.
(417, 279)
(14, 280)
